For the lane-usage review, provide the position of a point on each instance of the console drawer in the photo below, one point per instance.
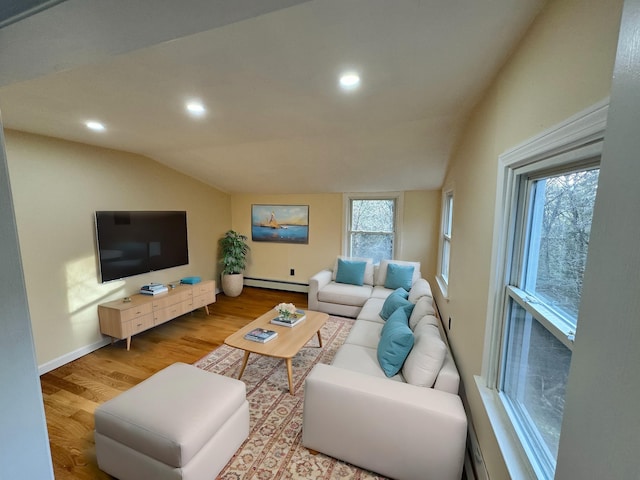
(137, 325)
(135, 312)
(165, 314)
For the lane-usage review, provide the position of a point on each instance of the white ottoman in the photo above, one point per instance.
(181, 423)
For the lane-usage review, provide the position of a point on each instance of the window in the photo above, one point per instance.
(372, 227)
(445, 241)
(546, 194)
(553, 215)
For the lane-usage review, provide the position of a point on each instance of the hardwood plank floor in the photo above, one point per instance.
(72, 392)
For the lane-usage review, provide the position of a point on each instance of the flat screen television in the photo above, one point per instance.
(135, 242)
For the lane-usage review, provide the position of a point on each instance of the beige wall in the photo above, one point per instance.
(273, 261)
(57, 186)
(420, 230)
(563, 65)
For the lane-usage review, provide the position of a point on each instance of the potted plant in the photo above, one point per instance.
(234, 249)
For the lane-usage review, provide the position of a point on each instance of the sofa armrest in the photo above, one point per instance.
(398, 430)
(316, 283)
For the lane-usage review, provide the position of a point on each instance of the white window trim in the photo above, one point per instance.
(443, 284)
(584, 131)
(346, 204)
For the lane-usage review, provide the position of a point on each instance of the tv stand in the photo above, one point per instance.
(121, 319)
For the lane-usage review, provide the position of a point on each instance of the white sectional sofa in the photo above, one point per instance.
(411, 425)
(346, 300)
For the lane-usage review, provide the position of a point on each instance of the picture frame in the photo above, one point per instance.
(280, 223)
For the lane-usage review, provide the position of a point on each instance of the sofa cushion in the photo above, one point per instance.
(365, 333)
(371, 310)
(422, 308)
(392, 303)
(420, 288)
(399, 277)
(448, 377)
(396, 341)
(344, 294)
(381, 273)
(350, 271)
(368, 271)
(425, 359)
(358, 358)
(380, 292)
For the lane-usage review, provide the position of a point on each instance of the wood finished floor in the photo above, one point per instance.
(72, 392)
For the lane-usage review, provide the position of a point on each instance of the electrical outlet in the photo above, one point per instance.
(292, 272)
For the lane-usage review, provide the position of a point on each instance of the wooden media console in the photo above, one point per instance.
(122, 319)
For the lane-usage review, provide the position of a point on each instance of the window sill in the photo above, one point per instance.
(443, 286)
(514, 457)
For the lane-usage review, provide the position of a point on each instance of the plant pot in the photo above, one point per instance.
(232, 284)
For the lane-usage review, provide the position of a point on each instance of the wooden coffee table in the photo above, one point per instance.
(286, 345)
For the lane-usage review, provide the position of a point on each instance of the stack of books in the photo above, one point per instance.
(298, 317)
(261, 335)
(153, 289)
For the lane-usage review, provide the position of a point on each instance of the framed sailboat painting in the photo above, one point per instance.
(280, 223)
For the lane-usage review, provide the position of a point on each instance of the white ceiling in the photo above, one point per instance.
(277, 121)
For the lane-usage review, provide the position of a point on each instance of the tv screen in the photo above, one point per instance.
(131, 243)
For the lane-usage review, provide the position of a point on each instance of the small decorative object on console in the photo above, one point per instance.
(261, 335)
(190, 280)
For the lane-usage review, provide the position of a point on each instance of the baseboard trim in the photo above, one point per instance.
(276, 284)
(71, 356)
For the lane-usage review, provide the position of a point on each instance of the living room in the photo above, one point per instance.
(562, 66)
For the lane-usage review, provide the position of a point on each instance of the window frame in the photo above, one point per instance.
(571, 142)
(444, 247)
(397, 197)
(552, 319)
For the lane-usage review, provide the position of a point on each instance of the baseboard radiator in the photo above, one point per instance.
(276, 284)
(474, 466)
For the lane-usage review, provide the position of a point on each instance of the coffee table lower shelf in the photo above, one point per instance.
(286, 345)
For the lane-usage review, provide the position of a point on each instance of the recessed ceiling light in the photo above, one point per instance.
(196, 108)
(349, 80)
(95, 126)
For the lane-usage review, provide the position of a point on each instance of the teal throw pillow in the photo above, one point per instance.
(399, 276)
(392, 303)
(402, 292)
(350, 271)
(396, 341)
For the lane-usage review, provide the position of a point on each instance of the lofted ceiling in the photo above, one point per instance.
(267, 72)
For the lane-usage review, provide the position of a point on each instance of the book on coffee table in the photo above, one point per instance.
(261, 335)
(298, 317)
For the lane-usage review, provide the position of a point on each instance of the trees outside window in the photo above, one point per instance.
(558, 257)
(372, 227)
(553, 214)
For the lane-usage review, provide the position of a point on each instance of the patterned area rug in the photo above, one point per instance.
(273, 449)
